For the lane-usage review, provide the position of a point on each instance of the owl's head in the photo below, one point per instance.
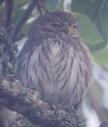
(58, 22)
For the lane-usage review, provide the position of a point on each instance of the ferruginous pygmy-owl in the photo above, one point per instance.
(54, 61)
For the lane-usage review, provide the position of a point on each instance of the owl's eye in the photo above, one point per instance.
(57, 24)
(75, 26)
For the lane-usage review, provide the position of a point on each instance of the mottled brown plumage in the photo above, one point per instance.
(54, 61)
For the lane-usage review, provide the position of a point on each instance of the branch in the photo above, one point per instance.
(8, 13)
(22, 20)
(26, 102)
(41, 8)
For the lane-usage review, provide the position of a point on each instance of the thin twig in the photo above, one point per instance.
(8, 14)
(22, 20)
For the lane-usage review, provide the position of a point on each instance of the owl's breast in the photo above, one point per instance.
(56, 70)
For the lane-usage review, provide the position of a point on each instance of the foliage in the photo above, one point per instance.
(103, 58)
(96, 10)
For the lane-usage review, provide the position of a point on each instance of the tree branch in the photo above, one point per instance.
(26, 102)
(8, 13)
(22, 20)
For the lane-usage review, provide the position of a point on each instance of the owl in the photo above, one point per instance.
(54, 61)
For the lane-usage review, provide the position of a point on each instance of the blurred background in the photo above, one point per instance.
(92, 16)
